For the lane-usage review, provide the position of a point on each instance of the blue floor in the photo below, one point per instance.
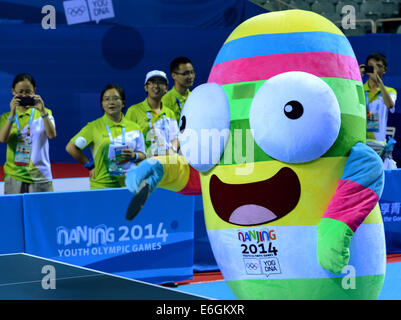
(392, 283)
(216, 290)
(219, 289)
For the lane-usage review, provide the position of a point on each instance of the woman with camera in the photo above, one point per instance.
(26, 130)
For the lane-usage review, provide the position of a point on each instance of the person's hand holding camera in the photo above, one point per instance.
(15, 102)
(372, 71)
(33, 101)
(366, 69)
(362, 69)
(376, 77)
(39, 104)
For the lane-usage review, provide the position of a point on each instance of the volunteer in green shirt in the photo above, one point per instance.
(380, 100)
(26, 130)
(157, 122)
(116, 143)
(183, 74)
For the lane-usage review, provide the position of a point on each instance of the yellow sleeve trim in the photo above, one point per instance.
(176, 172)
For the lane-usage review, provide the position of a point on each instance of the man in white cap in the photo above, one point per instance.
(157, 122)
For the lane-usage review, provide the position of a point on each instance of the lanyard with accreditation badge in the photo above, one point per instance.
(24, 146)
(179, 103)
(28, 139)
(111, 137)
(372, 122)
(115, 151)
(158, 144)
(151, 126)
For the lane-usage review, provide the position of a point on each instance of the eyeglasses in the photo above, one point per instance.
(108, 99)
(186, 73)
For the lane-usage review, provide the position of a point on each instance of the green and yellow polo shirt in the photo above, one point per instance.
(164, 122)
(169, 100)
(378, 110)
(39, 169)
(95, 135)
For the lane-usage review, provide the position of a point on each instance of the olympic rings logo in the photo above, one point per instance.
(76, 11)
(252, 266)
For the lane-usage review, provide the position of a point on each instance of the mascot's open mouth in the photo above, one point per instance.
(258, 202)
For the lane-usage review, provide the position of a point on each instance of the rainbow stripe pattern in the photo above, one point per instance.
(298, 41)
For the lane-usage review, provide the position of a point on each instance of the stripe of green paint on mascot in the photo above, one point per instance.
(349, 93)
(364, 288)
(352, 130)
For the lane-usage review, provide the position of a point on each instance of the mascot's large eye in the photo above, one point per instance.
(205, 126)
(295, 117)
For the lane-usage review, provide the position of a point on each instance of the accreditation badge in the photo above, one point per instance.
(151, 150)
(116, 160)
(115, 169)
(22, 154)
(161, 146)
(158, 147)
(372, 122)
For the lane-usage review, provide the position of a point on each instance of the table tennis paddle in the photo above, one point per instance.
(138, 201)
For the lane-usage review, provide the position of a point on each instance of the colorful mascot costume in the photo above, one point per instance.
(290, 189)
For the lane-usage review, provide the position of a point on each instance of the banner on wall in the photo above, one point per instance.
(11, 226)
(390, 207)
(89, 229)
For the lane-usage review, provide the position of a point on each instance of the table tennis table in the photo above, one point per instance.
(28, 277)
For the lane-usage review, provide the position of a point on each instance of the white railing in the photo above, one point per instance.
(374, 30)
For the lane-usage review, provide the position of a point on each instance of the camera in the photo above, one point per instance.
(26, 101)
(369, 69)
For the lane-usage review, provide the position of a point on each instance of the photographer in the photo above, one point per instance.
(379, 100)
(26, 130)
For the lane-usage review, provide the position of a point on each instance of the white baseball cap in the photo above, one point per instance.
(155, 73)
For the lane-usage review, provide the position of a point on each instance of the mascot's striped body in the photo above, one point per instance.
(300, 220)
